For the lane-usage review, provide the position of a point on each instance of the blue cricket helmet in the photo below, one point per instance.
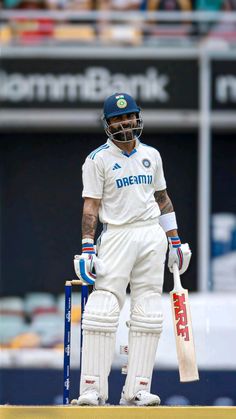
(119, 104)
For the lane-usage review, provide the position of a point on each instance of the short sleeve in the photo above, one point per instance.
(159, 179)
(93, 179)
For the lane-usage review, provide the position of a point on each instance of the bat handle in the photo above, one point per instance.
(177, 280)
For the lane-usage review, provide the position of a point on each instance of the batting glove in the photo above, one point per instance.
(178, 253)
(84, 263)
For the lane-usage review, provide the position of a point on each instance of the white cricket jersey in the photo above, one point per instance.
(124, 183)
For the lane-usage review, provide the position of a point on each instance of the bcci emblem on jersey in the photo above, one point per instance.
(146, 163)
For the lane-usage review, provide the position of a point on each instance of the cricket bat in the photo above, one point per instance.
(188, 370)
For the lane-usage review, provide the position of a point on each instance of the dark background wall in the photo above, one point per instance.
(41, 203)
(224, 173)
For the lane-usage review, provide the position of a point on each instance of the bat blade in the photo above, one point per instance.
(188, 370)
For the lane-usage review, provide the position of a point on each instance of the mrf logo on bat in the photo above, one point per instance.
(181, 316)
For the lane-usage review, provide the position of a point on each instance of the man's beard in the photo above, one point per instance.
(123, 134)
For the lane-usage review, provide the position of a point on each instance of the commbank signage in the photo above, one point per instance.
(83, 83)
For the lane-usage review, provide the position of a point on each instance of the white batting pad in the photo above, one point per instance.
(100, 323)
(145, 329)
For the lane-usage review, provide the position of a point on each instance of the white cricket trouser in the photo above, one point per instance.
(132, 253)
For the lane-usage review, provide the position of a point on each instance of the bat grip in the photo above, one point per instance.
(177, 280)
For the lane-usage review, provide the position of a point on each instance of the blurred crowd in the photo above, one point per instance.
(78, 27)
(121, 5)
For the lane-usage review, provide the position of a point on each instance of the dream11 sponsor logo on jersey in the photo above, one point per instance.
(181, 316)
(134, 180)
(94, 85)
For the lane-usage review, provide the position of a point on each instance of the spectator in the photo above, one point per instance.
(209, 5)
(224, 30)
(229, 5)
(80, 5)
(170, 5)
(169, 29)
(75, 30)
(204, 28)
(123, 32)
(30, 30)
(24, 4)
(119, 5)
(10, 4)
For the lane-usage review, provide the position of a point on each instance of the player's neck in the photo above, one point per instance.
(128, 147)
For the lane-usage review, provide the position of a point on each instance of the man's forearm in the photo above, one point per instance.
(89, 225)
(166, 206)
(90, 217)
(164, 202)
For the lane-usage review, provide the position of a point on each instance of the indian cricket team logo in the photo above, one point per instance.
(146, 163)
(121, 103)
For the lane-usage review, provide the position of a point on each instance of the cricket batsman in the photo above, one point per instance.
(125, 188)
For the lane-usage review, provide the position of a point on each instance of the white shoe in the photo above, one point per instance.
(90, 398)
(141, 398)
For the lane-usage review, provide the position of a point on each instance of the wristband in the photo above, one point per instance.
(88, 246)
(175, 241)
(168, 221)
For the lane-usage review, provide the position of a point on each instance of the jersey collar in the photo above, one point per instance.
(121, 152)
